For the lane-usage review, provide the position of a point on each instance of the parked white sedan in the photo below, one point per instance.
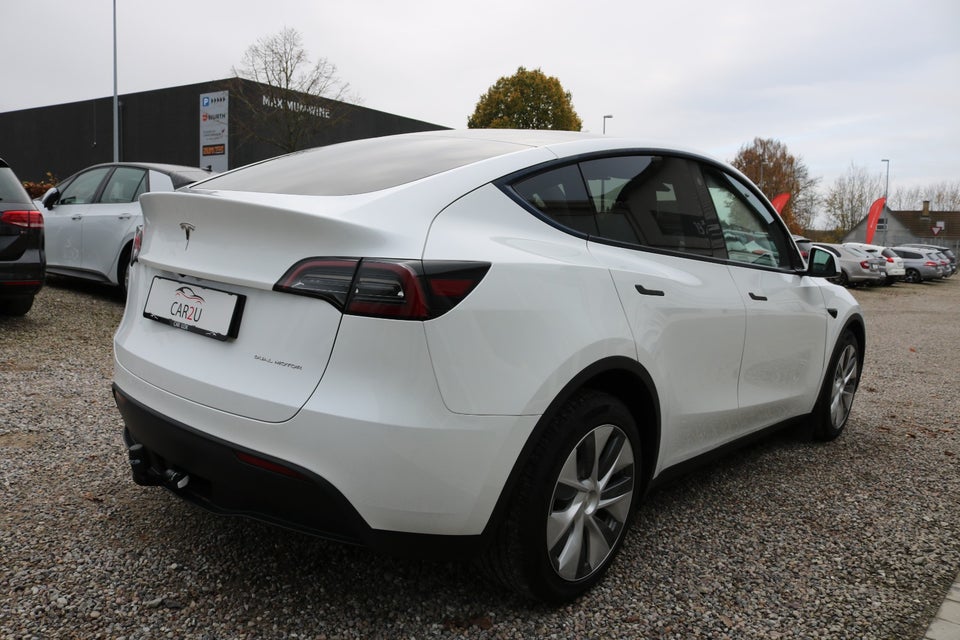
(471, 342)
(90, 218)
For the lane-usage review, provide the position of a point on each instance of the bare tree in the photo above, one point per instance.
(295, 100)
(775, 170)
(848, 200)
(943, 196)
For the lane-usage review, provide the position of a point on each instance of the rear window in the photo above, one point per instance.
(857, 252)
(360, 166)
(10, 188)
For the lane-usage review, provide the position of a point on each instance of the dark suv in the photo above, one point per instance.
(21, 246)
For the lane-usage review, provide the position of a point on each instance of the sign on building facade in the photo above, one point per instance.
(214, 130)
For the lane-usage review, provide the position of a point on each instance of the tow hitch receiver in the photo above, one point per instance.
(145, 475)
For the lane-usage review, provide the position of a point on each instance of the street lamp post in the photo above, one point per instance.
(116, 105)
(605, 124)
(886, 212)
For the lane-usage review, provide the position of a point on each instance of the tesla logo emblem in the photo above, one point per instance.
(187, 228)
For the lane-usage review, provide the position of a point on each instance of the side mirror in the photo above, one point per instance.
(50, 198)
(821, 264)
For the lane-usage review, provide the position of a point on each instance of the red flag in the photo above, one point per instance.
(873, 217)
(780, 201)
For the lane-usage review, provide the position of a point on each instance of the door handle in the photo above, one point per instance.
(77, 217)
(124, 216)
(648, 292)
(754, 296)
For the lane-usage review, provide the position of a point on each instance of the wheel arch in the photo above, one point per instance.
(622, 378)
(856, 326)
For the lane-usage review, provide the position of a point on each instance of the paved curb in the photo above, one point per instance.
(946, 626)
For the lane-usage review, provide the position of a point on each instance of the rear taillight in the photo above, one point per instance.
(865, 264)
(137, 243)
(930, 263)
(398, 289)
(389, 289)
(890, 260)
(25, 219)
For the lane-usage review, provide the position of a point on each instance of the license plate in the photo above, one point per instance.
(209, 312)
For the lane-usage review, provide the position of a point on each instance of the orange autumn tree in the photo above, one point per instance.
(770, 166)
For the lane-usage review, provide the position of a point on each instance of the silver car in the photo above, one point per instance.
(893, 264)
(951, 256)
(855, 266)
(920, 264)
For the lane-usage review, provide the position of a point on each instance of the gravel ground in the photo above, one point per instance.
(786, 539)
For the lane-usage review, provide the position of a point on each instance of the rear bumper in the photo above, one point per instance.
(269, 489)
(24, 277)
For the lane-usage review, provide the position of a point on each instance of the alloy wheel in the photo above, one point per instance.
(844, 386)
(591, 502)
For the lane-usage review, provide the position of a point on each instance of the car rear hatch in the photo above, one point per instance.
(203, 320)
(21, 225)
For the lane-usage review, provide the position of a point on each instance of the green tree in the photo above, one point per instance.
(295, 100)
(526, 100)
(770, 166)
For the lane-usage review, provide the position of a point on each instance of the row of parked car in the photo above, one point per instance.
(871, 264)
(84, 227)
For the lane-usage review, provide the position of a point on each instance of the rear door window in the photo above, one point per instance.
(648, 201)
(652, 201)
(125, 185)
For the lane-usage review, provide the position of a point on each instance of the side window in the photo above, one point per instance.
(83, 188)
(559, 195)
(125, 185)
(750, 232)
(651, 201)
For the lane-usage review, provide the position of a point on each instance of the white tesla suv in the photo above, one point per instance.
(480, 343)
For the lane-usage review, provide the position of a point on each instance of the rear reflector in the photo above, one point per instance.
(26, 219)
(269, 465)
(398, 289)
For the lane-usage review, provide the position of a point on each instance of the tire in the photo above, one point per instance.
(123, 271)
(16, 306)
(912, 276)
(839, 388)
(573, 504)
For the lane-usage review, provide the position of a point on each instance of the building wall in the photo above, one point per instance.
(155, 126)
(909, 227)
(896, 233)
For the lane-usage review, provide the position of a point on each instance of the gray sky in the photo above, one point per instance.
(837, 81)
